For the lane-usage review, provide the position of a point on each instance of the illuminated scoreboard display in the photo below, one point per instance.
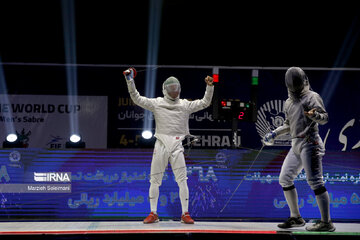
(236, 109)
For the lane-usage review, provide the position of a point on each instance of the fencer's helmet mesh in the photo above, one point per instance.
(172, 85)
(172, 88)
(295, 79)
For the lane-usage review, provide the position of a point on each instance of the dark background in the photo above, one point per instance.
(225, 33)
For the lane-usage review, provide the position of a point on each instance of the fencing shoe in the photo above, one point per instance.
(321, 226)
(152, 218)
(185, 218)
(292, 222)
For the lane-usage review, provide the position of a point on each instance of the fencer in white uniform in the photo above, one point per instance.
(304, 110)
(172, 126)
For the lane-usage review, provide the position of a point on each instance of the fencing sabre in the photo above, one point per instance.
(242, 178)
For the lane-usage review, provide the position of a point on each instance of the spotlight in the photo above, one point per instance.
(12, 141)
(146, 134)
(75, 138)
(11, 137)
(75, 141)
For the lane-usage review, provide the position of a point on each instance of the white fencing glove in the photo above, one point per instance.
(130, 73)
(269, 138)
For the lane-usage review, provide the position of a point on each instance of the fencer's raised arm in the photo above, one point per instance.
(144, 102)
(205, 102)
(317, 113)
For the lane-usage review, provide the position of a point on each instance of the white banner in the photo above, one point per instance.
(43, 121)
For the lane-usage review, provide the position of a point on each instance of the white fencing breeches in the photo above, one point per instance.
(304, 154)
(161, 158)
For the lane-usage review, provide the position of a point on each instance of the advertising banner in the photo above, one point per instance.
(47, 121)
(114, 184)
(339, 90)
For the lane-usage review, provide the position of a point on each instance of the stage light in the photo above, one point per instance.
(12, 141)
(216, 78)
(146, 134)
(69, 35)
(154, 23)
(75, 138)
(334, 77)
(11, 137)
(216, 74)
(75, 141)
(255, 77)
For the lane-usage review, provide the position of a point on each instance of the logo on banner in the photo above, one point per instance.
(23, 137)
(52, 177)
(55, 142)
(14, 156)
(270, 116)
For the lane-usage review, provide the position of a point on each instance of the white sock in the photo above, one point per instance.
(291, 197)
(323, 202)
(153, 196)
(184, 196)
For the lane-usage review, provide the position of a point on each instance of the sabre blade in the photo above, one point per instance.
(242, 179)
